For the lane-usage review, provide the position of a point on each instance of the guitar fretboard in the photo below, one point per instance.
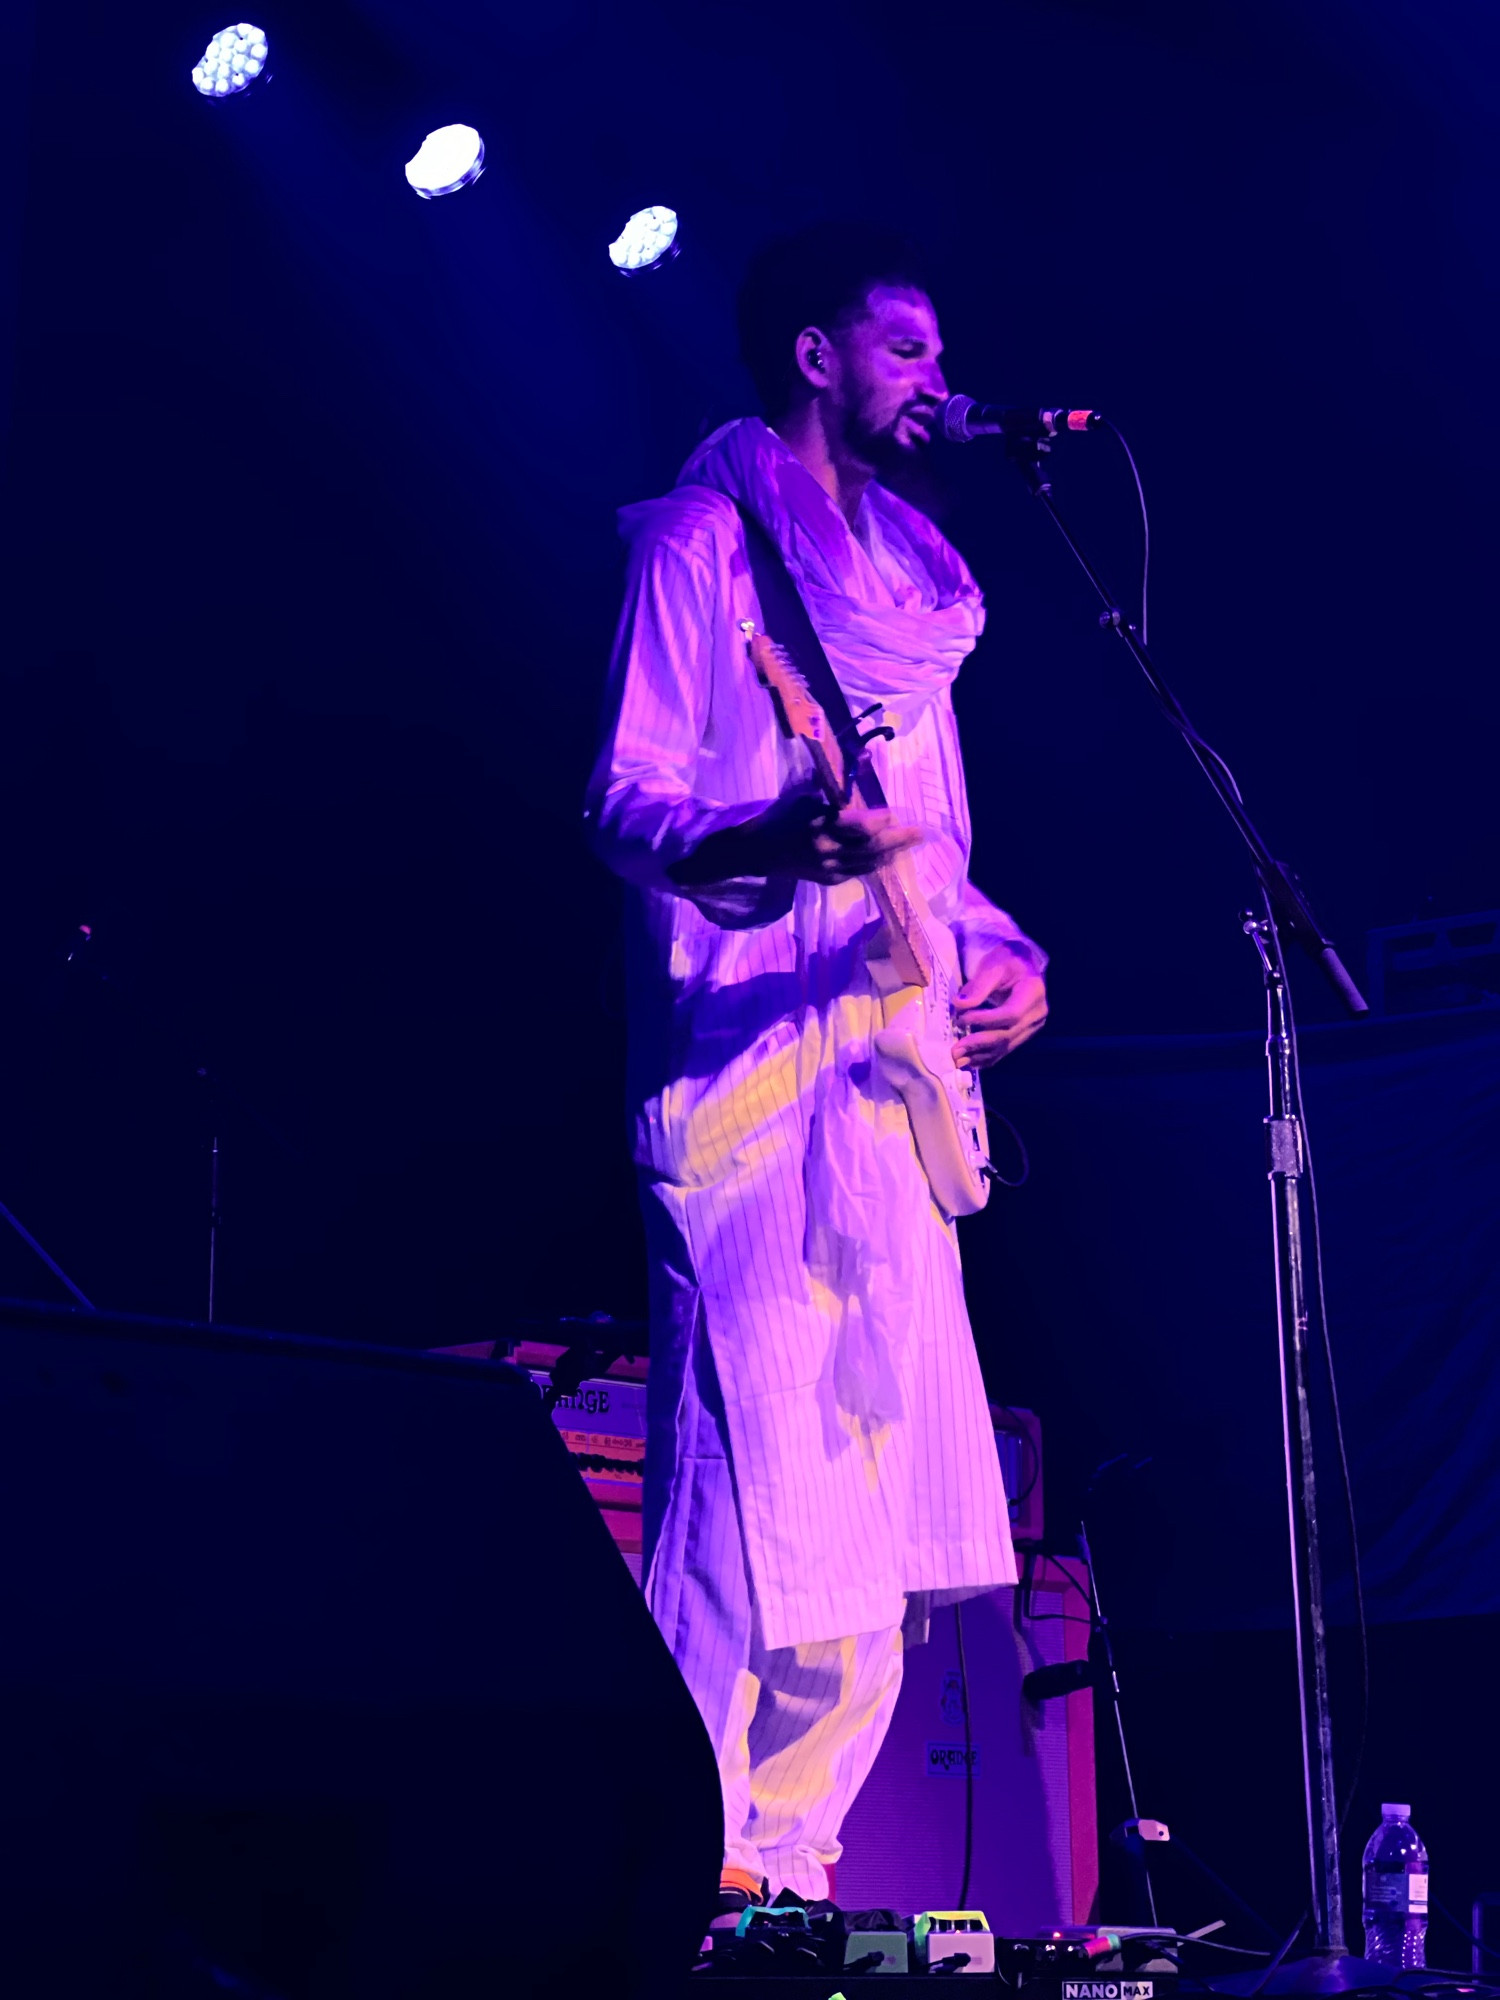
(907, 933)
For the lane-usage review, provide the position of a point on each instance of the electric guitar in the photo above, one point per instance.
(913, 964)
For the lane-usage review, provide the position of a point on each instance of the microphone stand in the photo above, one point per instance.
(1327, 1969)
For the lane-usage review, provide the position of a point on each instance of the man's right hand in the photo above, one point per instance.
(801, 838)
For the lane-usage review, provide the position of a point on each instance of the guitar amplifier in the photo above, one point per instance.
(1035, 1857)
(1018, 1439)
(603, 1424)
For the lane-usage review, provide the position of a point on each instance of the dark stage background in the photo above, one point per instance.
(311, 578)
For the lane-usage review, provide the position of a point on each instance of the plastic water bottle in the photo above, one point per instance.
(1395, 1886)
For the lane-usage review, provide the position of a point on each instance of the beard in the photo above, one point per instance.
(879, 446)
(912, 471)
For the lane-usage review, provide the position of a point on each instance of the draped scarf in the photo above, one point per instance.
(897, 612)
(899, 630)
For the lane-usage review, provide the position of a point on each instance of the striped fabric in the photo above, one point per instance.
(750, 1007)
(796, 1728)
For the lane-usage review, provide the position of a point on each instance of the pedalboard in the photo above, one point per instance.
(1080, 1963)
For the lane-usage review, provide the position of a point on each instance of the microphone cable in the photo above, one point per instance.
(963, 1687)
(1203, 750)
(1140, 494)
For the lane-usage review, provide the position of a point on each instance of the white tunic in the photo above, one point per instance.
(756, 1119)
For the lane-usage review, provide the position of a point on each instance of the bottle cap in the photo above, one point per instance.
(1395, 1812)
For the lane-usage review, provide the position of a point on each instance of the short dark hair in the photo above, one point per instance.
(822, 276)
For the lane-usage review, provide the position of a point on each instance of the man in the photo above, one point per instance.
(820, 1467)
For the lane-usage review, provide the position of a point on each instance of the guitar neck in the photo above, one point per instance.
(910, 951)
(896, 894)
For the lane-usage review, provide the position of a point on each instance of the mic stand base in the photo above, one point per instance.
(1322, 1971)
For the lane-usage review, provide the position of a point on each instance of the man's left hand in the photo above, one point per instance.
(1002, 1006)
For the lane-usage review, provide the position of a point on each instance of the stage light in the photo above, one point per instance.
(231, 62)
(648, 240)
(448, 160)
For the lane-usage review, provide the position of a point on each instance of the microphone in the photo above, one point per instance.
(1066, 1677)
(964, 420)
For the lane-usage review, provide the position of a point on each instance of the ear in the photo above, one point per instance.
(815, 360)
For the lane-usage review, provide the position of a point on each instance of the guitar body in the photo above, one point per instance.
(914, 966)
(915, 1050)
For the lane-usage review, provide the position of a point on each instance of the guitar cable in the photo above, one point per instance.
(992, 1172)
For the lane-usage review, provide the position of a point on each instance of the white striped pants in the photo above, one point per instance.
(795, 1729)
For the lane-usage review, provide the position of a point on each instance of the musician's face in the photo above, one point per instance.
(889, 379)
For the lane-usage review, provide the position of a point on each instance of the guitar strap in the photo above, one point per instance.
(786, 619)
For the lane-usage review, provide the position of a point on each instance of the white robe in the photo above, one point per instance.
(751, 1015)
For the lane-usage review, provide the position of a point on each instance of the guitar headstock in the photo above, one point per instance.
(800, 716)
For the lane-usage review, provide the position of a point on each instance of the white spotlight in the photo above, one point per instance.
(231, 62)
(648, 240)
(448, 160)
